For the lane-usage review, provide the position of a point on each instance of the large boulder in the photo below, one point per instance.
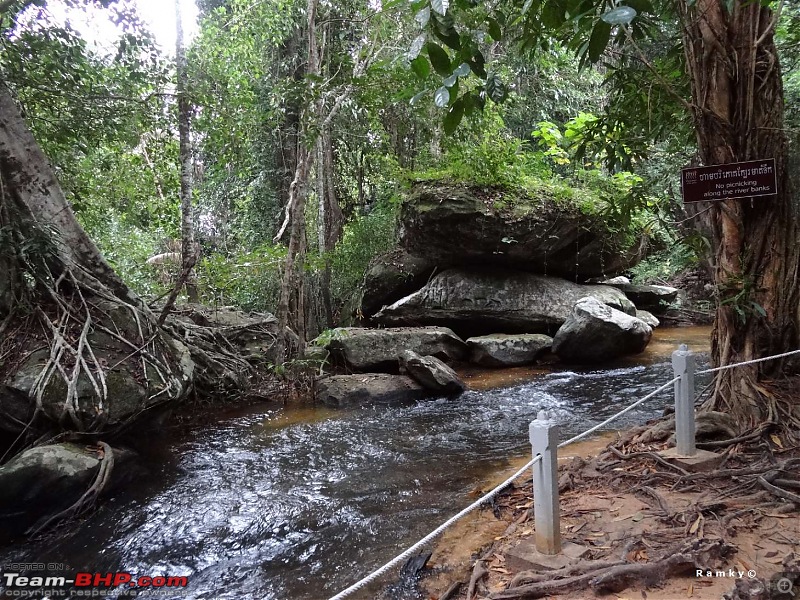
(44, 481)
(648, 317)
(654, 298)
(508, 350)
(351, 390)
(456, 224)
(595, 332)
(481, 302)
(392, 276)
(378, 350)
(432, 373)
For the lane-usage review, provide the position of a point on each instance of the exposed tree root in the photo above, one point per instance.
(603, 576)
(87, 500)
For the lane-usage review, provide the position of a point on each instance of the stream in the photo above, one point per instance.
(297, 503)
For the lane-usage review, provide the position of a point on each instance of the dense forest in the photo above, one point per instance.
(262, 164)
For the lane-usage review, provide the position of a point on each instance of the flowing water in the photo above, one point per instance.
(297, 503)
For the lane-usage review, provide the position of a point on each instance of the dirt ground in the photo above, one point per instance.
(646, 527)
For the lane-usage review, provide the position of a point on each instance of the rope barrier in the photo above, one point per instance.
(746, 362)
(488, 496)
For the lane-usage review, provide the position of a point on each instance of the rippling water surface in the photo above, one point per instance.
(297, 504)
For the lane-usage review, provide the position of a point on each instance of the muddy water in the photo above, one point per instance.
(297, 503)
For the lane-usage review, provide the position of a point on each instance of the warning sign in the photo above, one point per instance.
(727, 182)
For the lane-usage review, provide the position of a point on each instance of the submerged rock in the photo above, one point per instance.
(431, 373)
(595, 333)
(378, 350)
(508, 350)
(350, 390)
(480, 302)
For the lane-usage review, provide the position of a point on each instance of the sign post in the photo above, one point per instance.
(729, 182)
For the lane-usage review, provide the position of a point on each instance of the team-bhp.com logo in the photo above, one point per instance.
(22, 584)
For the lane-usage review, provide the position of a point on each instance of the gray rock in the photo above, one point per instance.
(377, 350)
(392, 276)
(619, 280)
(654, 298)
(648, 318)
(481, 302)
(43, 480)
(596, 332)
(508, 350)
(452, 224)
(431, 373)
(350, 390)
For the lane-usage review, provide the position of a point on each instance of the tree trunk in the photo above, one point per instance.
(738, 113)
(188, 249)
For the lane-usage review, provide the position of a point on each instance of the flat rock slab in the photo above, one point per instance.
(651, 297)
(525, 557)
(378, 350)
(352, 390)
(700, 462)
(481, 301)
(508, 350)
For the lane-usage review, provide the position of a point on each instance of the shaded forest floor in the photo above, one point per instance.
(646, 526)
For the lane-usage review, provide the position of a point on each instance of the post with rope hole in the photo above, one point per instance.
(544, 442)
(683, 364)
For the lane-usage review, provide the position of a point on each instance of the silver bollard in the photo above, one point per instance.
(683, 364)
(544, 442)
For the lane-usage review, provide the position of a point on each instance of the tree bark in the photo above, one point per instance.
(188, 249)
(738, 113)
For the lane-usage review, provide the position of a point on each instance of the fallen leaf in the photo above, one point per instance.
(776, 440)
(696, 525)
(690, 591)
(501, 570)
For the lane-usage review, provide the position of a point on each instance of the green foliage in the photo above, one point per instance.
(247, 279)
(364, 238)
(664, 265)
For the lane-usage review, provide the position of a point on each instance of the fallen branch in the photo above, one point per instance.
(651, 455)
(478, 572)
(779, 492)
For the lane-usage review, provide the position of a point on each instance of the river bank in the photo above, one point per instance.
(646, 529)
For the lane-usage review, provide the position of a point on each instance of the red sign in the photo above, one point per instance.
(728, 182)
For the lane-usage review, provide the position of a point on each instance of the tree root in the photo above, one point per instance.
(602, 577)
(478, 572)
(87, 500)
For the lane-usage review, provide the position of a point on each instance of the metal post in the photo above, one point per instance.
(544, 441)
(683, 363)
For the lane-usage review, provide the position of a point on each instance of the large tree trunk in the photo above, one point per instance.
(738, 112)
(188, 250)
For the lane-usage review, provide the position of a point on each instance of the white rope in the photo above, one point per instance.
(580, 436)
(747, 362)
(407, 554)
(488, 496)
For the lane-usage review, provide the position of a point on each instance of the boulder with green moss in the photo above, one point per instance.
(457, 224)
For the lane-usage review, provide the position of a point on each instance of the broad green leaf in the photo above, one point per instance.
(462, 70)
(495, 88)
(450, 81)
(527, 6)
(599, 40)
(423, 16)
(477, 64)
(453, 116)
(441, 97)
(440, 6)
(444, 28)
(494, 29)
(622, 15)
(416, 46)
(439, 59)
(418, 97)
(421, 67)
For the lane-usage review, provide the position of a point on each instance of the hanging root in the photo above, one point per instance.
(87, 500)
